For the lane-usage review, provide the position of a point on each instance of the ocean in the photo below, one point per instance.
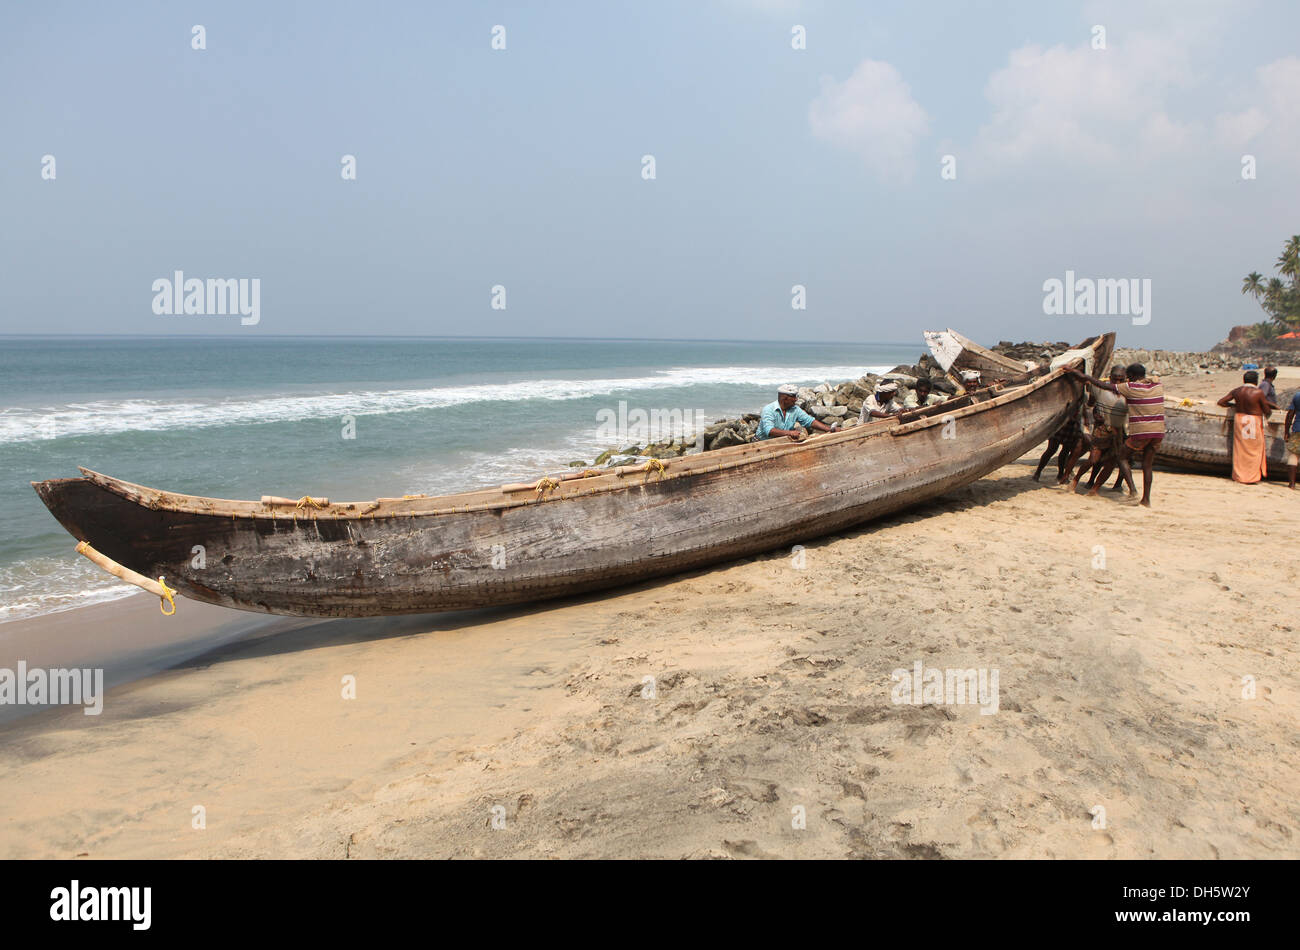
(346, 418)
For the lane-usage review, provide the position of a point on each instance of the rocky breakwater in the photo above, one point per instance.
(1157, 362)
(1042, 353)
(1175, 363)
(830, 403)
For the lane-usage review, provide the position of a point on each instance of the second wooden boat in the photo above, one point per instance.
(1198, 438)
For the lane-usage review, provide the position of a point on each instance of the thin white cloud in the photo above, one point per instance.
(1076, 106)
(873, 113)
(1272, 118)
(1079, 105)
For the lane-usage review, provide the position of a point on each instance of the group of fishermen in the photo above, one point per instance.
(785, 419)
(1121, 421)
(1128, 422)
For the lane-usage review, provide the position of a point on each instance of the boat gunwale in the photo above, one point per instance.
(1207, 411)
(613, 480)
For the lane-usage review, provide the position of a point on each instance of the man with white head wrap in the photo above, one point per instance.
(785, 418)
(971, 382)
(880, 404)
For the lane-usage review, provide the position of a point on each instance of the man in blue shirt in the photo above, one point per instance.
(1292, 430)
(1270, 376)
(784, 418)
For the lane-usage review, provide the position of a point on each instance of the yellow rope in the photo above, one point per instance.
(654, 465)
(306, 500)
(412, 496)
(546, 483)
(166, 599)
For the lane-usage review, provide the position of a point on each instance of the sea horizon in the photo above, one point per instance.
(236, 335)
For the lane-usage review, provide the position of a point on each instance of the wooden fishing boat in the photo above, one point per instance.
(1198, 438)
(558, 535)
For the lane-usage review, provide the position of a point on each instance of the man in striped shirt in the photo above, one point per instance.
(1145, 397)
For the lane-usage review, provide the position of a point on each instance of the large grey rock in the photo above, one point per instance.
(903, 379)
(943, 386)
(835, 412)
(727, 437)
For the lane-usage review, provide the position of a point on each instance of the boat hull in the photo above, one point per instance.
(398, 556)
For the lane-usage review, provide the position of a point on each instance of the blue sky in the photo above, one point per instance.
(522, 167)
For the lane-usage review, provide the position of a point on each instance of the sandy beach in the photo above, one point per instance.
(1147, 703)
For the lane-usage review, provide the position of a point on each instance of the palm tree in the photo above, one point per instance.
(1275, 304)
(1289, 263)
(1279, 299)
(1261, 331)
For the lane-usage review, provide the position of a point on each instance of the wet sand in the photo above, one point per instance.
(1127, 643)
(128, 639)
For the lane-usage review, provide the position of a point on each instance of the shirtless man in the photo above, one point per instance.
(1067, 438)
(1108, 436)
(1249, 397)
(1249, 447)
